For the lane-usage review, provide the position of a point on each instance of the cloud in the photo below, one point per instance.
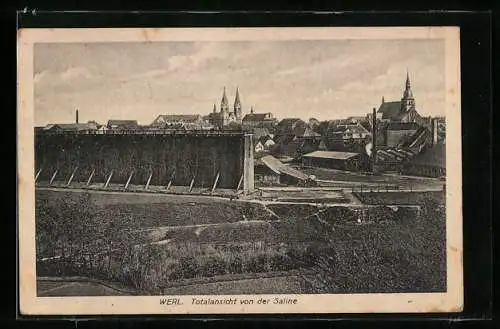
(75, 73)
(324, 79)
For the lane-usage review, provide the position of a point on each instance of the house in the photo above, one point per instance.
(80, 128)
(252, 119)
(397, 133)
(332, 160)
(269, 169)
(259, 147)
(268, 142)
(122, 124)
(349, 132)
(305, 133)
(290, 126)
(179, 120)
(431, 162)
(259, 132)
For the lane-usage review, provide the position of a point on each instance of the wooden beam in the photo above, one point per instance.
(71, 177)
(215, 182)
(53, 176)
(149, 180)
(191, 185)
(90, 177)
(128, 180)
(38, 174)
(109, 178)
(239, 184)
(171, 179)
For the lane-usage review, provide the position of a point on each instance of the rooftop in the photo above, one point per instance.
(331, 155)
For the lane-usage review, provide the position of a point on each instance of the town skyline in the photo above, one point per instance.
(325, 80)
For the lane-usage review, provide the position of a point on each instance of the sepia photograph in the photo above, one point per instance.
(239, 170)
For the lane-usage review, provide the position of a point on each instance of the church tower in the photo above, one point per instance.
(237, 105)
(407, 102)
(224, 104)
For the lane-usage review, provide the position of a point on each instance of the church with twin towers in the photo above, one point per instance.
(226, 115)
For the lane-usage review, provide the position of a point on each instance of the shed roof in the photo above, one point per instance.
(331, 155)
(434, 156)
(279, 167)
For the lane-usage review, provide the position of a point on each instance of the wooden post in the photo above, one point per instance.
(149, 180)
(38, 174)
(109, 178)
(191, 185)
(128, 180)
(53, 176)
(72, 175)
(239, 183)
(90, 177)
(215, 182)
(171, 179)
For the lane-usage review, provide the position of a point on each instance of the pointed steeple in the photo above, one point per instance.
(237, 104)
(251, 109)
(215, 108)
(224, 104)
(407, 93)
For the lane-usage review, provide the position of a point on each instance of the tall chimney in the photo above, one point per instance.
(76, 115)
(434, 131)
(374, 139)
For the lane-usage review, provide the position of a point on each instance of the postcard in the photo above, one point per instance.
(239, 170)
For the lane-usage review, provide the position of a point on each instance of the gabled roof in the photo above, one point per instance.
(257, 117)
(279, 167)
(390, 110)
(122, 123)
(177, 118)
(331, 155)
(402, 126)
(71, 126)
(433, 156)
(305, 132)
(260, 132)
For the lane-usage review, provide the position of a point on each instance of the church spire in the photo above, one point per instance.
(224, 105)
(251, 109)
(215, 108)
(407, 93)
(237, 104)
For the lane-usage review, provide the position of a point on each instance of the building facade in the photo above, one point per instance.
(225, 116)
(400, 111)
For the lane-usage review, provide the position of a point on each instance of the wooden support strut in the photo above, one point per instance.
(109, 178)
(90, 177)
(191, 185)
(71, 177)
(239, 184)
(38, 174)
(128, 180)
(215, 182)
(170, 181)
(53, 177)
(149, 180)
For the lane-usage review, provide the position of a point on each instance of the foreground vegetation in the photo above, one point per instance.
(78, 237)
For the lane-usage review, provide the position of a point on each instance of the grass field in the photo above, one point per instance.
(151, 242)
(383, 198)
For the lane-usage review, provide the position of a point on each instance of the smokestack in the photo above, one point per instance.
(434, 131)
(76, 115)
(374, 138)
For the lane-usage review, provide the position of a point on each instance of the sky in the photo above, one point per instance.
(324, 79)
